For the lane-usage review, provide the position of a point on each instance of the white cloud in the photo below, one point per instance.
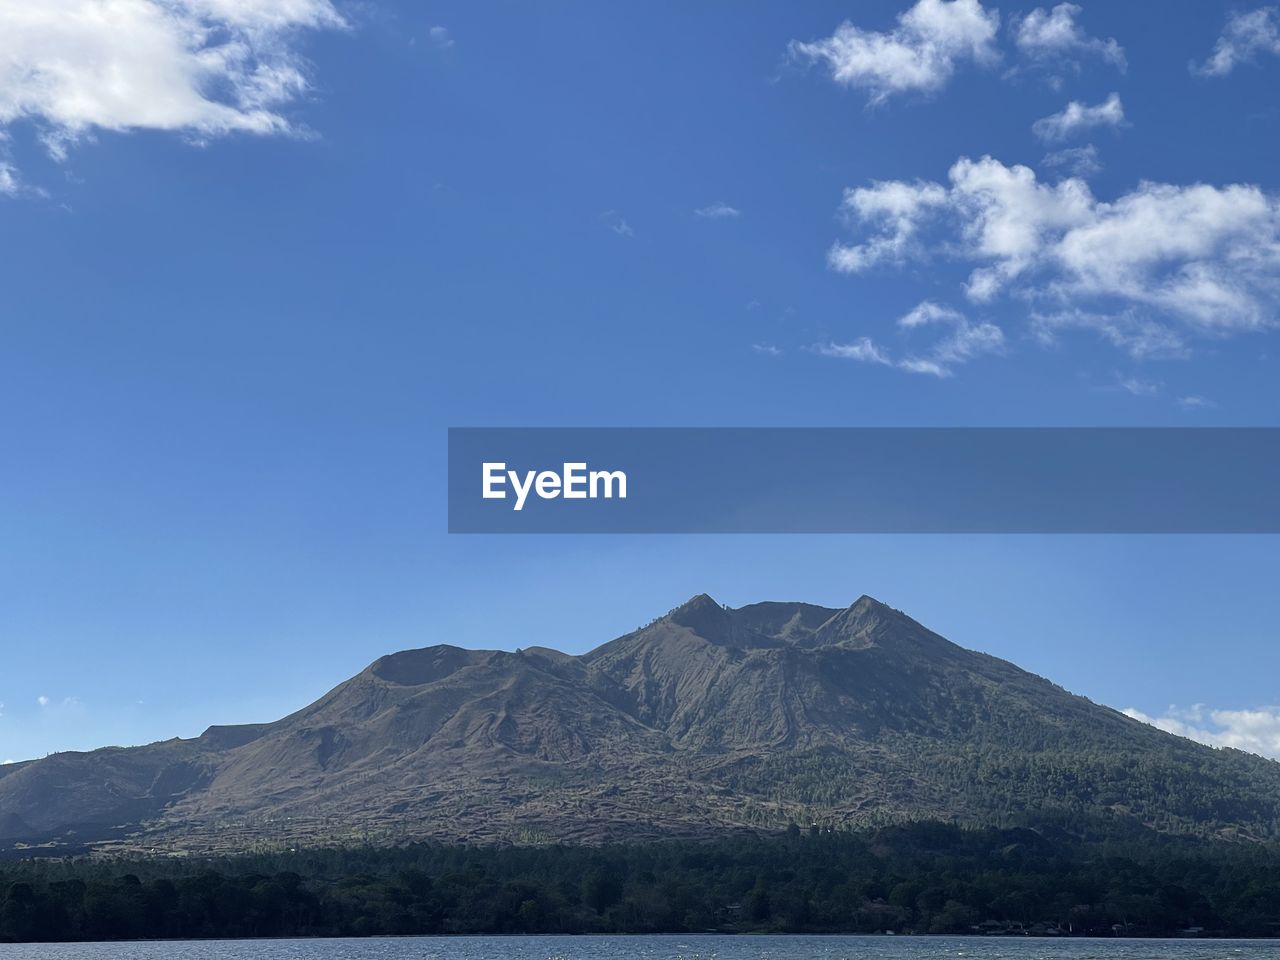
(201, 67)
(1136, 334)
(861, 349)
(1002, 212)
(1144, 270)
(919, 54)
(42, 701)
(10, 185)
(1054, 38)
(766, 349)
(928, 312)
(1080, 162)
(1195, 402)
(1077, 116)
(897, 208)
(717, 211)
(1257, 731)
(617, 223)
(1139, 387)
(441, 37)
(963, 341)
(1245, 36)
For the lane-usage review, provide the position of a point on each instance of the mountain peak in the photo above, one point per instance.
(702, 601)
(702, 615)
(426, 665)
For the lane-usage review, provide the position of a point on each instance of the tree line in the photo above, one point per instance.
(907, 878)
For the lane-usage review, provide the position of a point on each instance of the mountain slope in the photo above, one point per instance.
(706, 719)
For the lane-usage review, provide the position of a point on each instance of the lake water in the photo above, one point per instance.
(658, 948)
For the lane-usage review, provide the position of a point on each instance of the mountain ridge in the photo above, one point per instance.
(707, 719)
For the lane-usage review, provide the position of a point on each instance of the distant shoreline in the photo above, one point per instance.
(922, 879)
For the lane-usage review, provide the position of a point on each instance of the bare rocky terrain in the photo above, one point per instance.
(707, 720)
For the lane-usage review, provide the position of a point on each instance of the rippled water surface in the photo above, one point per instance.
(659, 948)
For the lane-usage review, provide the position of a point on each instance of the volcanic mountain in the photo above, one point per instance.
(707, 719)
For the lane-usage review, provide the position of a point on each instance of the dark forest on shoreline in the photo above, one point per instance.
(917, 878)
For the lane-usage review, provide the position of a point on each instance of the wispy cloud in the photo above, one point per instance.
(920, 54)
(66, 707)
(10, 185)
(767, 349)
(899, 209)
(617, 223)
(862, 350)
(717, 211)
(204, 68)
(1129, 330)
(1080, 162)
(1195, 402)
(1054, 39)
(1077, 116)
(1257, 731)
(441, 37)
(1245, 36)
(1139, 387)
(1146, 270)
(961, 342)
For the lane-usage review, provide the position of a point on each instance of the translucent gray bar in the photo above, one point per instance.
(869, 480)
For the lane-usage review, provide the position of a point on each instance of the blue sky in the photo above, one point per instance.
(258, 256)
